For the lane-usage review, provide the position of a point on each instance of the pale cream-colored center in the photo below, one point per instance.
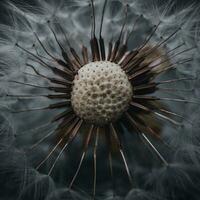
(101, 92)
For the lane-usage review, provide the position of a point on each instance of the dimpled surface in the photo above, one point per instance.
(101, 92)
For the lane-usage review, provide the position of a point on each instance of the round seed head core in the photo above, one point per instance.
(101, 92)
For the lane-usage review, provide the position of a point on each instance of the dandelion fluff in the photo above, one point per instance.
(139, 194)
(175, 181)
(45, 44)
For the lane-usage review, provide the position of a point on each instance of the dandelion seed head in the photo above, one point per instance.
(91, 77)
(101, 92)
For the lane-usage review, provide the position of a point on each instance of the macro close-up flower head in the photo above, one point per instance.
(99, 99)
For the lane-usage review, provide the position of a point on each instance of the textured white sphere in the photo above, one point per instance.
(101, 92)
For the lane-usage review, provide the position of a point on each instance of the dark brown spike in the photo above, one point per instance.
(101, 40)
(76, 57)
(131, 55)
(175, 114)
(57, 158)
(94, 42)
(63, 32)
(110, 47)
(135, 63)
(175, 48)
(96, 48)
(59, 61)
(78, 169)
(68, 60)
(186, 60)
(60, 104)
(149, 86)
(126, 167)
(85, 55)
(43, 47)
(92, 49)
(184, 51)
(102, 18)
(150, 36)
(66, 127)
(175, 80)
(33, 55)
(163, 42)
(41, 56)
(167, 53)
(139, 73)
(37, 128)
(138, 123)
(137, 128)
(41, 140)
(65, 122)
(117, 43)
(173, 65)
(113, 131)
(152, 98)
(65, 54)
(134, 24)
(102, 48)
(137, 105)
(50, 153)
(179, 100)
(85, 147)
(25, 96)
(53, 80)
(36, 72)
(30, 110)
(61, 82)
(111, 172)
(59, 96)
(76, 65)
(30, 74)
(169, 58)
(95, 162)
(132, 121)
(153, 133)
(156, 113)
(147, 69)
(54, 34)
(61, 89)
(176, 90)
(110, 151)
(154, 149)
(51, 106)
(77, 126)
(65, 74)
(115, 49)
(121, 52)
(62, 115)
(93, 17)
(28, 84)
(66, 66)
(74, 132)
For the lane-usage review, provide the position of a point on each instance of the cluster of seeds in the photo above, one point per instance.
(101, 92)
